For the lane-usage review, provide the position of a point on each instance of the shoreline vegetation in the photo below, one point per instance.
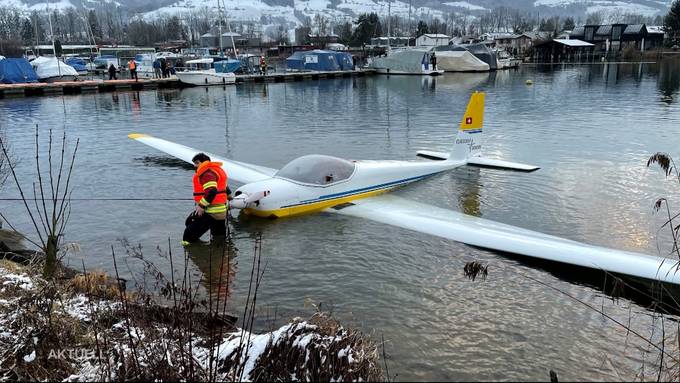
(88, 326)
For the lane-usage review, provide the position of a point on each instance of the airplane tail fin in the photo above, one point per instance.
(468, 141)
(467, 147)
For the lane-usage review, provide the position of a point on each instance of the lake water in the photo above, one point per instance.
(590, 128)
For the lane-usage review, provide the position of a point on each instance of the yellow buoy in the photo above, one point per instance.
(529, 82)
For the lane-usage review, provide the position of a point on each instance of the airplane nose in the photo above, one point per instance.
(243, 199)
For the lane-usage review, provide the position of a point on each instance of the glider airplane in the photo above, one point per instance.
(315, 183)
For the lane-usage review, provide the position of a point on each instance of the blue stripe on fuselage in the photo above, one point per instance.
(362, 190)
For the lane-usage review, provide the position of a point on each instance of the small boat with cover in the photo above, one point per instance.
(202, 72)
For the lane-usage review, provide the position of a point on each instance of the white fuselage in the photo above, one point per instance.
(289, 197)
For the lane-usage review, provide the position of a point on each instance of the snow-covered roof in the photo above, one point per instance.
(499, 35)
(604, 30)
(200, 61)
(537, 35)
(573, 42)
(634, 29)
(655, 29)
(231, 34)
(578, 31)
(436, 36)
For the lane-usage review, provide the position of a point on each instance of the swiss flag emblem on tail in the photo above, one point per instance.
(468, 121)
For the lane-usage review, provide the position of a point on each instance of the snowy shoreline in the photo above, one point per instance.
(64, 331)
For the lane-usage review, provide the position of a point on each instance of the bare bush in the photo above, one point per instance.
(49, 208)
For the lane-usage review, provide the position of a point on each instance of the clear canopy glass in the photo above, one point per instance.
(317, 169)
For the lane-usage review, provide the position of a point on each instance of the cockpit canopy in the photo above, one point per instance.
(317, 169)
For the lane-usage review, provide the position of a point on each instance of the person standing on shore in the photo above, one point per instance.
(263, 66)
(132, 65)
(156, 69)
(112, 72)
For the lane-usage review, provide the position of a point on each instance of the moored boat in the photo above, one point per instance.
(416, 61)
(51, 69)
(202, 72)
(454, 58)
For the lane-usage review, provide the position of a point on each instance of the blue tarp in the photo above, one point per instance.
(227, 66)
(317, 60)
(77, 63)
(16, 71)
(344, 59)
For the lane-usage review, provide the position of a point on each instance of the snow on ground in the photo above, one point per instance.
(62, 4)
(234, 9)
(10, 279)
(557, 3)
(22, 322)
(607, 6)
(622, 7)
(254, 10)
(398, 8)
(465, 4)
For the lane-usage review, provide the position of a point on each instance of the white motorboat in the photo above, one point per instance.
(202, 72)
(506, 61)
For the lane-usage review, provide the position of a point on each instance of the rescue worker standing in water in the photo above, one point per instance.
(210, 194)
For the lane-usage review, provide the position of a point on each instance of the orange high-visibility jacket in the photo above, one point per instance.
(219, 203)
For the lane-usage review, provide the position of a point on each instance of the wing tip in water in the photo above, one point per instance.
(135, 136)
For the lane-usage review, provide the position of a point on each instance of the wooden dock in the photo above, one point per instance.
(89, 86)
(301, 76)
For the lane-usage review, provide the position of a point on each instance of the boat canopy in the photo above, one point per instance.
(320, 60)
(227, 66)
(482, 52)
(77, 63)
(16, 71)
(48, 67)
(403, 60)
(317, 169)
(454, 58)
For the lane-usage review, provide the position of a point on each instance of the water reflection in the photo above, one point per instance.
(217, 263)
(135, 103)
(464, 81)
(167, 96)
(669, 80)
(165, 161)
(469, 191)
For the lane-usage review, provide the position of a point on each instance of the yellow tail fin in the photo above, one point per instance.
(473, 119)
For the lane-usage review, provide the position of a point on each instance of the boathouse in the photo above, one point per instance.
(557, 50)
(613, 38)
(432, 40)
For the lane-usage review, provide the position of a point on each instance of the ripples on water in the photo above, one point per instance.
(589, 128)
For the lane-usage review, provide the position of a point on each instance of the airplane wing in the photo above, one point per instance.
(237, 171)
(492, 235)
